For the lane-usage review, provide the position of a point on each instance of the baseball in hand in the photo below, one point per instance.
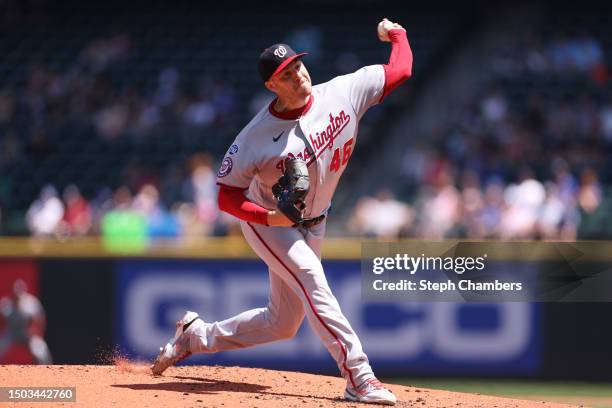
(383, 29)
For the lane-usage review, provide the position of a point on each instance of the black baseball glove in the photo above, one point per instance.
(291, 189)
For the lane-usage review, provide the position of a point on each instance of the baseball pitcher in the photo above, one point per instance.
(278, 177)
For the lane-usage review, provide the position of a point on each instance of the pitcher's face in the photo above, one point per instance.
(292, 82)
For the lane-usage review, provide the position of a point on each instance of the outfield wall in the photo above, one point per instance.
(132, 301)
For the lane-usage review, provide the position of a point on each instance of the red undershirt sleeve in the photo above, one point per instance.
(233, 201)
(399, 67)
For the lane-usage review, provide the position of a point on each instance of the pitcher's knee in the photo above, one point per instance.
(286, 329)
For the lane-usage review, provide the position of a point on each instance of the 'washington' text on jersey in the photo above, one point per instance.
(325, 139)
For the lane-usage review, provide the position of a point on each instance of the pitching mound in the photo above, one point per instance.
(131, 385)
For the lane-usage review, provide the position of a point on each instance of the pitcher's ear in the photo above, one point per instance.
(270, 85)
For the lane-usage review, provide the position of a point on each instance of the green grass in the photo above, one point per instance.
(597, 395)
(511, 387)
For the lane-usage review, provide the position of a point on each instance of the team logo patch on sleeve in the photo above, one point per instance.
(226, 167)
(233, 149)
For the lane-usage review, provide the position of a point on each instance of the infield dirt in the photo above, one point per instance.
(128, 384)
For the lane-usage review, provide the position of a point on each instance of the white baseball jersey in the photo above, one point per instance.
(324, 137)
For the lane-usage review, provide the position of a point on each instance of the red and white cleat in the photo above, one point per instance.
(371, 391)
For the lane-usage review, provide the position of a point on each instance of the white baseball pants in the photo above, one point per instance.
(298, 287)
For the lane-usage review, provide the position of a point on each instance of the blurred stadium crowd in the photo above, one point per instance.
(35, 114)
(139, 213)
(524, 157)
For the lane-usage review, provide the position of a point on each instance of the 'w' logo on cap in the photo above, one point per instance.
(280, 52)
(273, 59)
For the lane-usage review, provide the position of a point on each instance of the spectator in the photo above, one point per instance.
(382, 216)
(200, 113)
(551, 214)
(523, 201)
(190, 225)
(77, 217)
(46, 213)
(123, 229)
(160, 223)
(472, 206)
(111, 121)
(590, 192)
(201, 189)
(440, 207)
(494, 107)
(489, 220)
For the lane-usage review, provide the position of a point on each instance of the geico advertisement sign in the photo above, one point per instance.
(151, 298)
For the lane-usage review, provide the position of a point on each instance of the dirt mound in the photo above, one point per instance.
(128, 384)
